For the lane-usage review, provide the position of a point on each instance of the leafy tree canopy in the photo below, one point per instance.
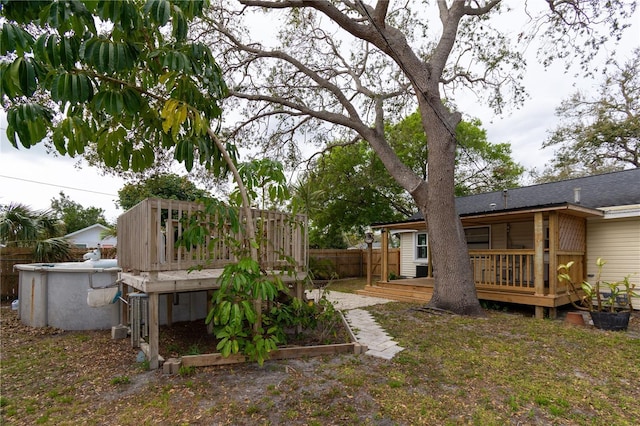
(349, 188)
(167, 186)
(346, 191)
(480, 166)
(119, 78)
(74, 215)
(599, 133)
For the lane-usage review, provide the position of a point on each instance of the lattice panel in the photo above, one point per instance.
(572, 233)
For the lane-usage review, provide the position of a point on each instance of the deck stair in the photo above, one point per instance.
(405, 292)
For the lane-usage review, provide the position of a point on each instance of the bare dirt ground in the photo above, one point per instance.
(86, 377)
(505, 369)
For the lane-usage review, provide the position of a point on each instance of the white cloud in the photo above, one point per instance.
(33, 177)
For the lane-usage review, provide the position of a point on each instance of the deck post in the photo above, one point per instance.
(384, 274)
(169, 301)
(538, 260)
(154, 331)
(554, 245)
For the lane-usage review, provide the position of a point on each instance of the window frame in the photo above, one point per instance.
(487, 242)
(417, 246)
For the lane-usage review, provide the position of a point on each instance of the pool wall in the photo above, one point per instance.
(56, 295)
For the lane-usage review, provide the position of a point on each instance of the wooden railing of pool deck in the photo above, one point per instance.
(148, 232)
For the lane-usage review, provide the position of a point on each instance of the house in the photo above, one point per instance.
(518, 237)
(90, 237)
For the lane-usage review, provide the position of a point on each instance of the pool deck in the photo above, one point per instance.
(156, 283)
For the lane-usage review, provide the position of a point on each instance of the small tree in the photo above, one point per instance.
(599, 133)
(167, 186)
(74, 216)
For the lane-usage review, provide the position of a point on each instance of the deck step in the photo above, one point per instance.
(420, 295)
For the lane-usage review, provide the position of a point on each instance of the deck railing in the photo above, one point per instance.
(148, 233)
(504, 269)
(514, 270)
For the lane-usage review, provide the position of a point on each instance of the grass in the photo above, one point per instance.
(505, 369)
(349, 285)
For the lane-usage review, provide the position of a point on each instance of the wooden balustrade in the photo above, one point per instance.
(514, 270)
(503, 269)
(148, 233)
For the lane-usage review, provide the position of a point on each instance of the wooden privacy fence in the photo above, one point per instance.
(8, 277)
(353, 263)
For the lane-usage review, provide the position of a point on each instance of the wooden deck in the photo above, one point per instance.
(415, 290)
(420, 290)
(154, 263)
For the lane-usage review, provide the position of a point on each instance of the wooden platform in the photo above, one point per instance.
(156, 283)
(415, 290)
(420, 290)
(172, 281)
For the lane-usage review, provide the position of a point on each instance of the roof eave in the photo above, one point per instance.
(573, 209)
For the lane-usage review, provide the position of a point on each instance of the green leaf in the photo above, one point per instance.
(29, 122)
(249, 312)
(69, 48)
(19, 78)
(225, 312)
(14, 39)
(236, 317)
(132, 101)
(72, 88)
(109, 56)
(159, 10)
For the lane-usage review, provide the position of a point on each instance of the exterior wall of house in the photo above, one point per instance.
(520, 235)
(617, 241)
(407, 257)
(498, 236)
(89, 238)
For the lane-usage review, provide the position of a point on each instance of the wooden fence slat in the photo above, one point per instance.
(353, 263)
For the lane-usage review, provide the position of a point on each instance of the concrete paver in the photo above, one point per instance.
(366, 329)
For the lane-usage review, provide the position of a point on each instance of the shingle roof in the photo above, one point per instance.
(605, 190)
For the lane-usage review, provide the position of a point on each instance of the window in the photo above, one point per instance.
(477, 238)
(421, 246)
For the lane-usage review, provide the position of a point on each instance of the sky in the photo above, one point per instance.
(33, 177)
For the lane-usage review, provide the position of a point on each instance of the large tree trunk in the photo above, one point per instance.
(454, 287)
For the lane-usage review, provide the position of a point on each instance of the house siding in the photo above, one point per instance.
(407, 257)
(617, 241)
(521, 235)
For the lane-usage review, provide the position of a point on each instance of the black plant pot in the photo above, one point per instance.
(614, 321)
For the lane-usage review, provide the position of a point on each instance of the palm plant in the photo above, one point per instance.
(21, 226)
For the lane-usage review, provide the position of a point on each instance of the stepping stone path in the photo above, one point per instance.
(366, 329)
(368, 332)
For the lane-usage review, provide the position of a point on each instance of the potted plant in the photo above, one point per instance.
(610, 309)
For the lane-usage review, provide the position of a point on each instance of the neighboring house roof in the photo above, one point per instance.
(611, 189)
(100, 227)
(90, 236)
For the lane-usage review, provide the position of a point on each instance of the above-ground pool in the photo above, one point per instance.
(55, 294)
(78, 296)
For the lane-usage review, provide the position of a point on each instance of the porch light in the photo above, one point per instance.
(368, 237)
